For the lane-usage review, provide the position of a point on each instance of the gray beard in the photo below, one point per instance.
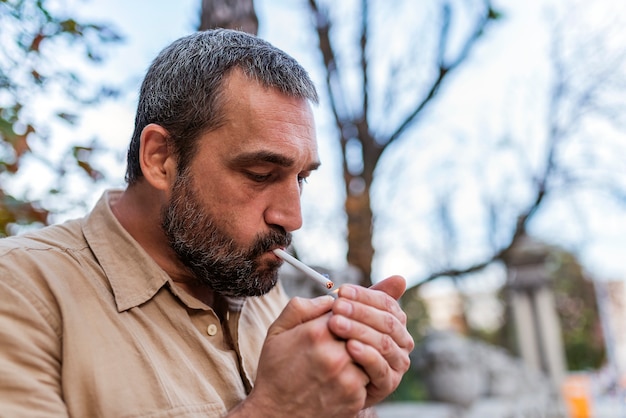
(210, 254)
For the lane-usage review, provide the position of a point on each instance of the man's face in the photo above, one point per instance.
(240, 196)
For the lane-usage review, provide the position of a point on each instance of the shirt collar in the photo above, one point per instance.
(134, 276)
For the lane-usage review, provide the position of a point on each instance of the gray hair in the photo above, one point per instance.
(183, 86)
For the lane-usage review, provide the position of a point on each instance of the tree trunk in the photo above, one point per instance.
(229, 14)
(359, 213)
(358, 203)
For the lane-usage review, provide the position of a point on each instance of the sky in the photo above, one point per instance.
(520, 50)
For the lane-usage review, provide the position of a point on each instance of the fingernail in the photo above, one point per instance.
(343, 308)
(348, 292)
(356, 346)
(342, 323)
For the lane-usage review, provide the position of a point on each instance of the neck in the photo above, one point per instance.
(139, 211)
(199, 291)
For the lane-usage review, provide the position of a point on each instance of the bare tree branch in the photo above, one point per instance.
(364, 60)
(445, 69)
(322, 26)
(566, 108)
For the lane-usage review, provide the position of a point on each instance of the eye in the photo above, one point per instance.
(258, 177)
(303, 179)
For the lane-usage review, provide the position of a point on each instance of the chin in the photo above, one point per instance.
(266, 281)
(257, 284)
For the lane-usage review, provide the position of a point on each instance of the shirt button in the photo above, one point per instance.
(211, 330)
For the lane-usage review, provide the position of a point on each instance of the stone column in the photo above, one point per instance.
(537, 325)
(550, 337)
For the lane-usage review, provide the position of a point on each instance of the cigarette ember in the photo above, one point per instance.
(308, 271)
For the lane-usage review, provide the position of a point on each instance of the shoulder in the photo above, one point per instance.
(63, 237)
(34, 265)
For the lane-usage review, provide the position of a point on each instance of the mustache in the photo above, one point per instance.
(277, 237)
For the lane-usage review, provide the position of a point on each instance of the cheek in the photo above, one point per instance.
(237, 208)
(241, 219)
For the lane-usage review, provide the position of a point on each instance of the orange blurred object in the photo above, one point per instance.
(576, 391)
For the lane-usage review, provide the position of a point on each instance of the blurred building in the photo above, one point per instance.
(612, 302)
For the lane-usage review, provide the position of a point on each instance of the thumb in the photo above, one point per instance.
(394, 286)
(300, 310)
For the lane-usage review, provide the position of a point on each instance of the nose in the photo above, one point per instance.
(284, 207)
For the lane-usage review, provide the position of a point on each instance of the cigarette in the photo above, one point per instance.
(308, 271)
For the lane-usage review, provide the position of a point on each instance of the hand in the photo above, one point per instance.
(374, 327)
(304, 370)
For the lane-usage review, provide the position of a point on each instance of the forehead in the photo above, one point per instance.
(259, 118)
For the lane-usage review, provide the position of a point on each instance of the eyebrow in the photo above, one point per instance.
(269, 157)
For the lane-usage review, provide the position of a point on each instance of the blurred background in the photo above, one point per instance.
(474, 147)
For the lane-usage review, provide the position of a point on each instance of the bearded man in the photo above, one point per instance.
(163, 301)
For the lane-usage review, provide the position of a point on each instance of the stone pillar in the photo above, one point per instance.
(550, 338)
(537, 325)
(524, 323)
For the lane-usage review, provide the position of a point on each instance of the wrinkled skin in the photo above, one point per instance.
(333, 358)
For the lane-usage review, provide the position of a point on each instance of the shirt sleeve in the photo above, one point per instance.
(30, 352)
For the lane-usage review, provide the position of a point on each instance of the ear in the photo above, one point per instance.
(156, 158)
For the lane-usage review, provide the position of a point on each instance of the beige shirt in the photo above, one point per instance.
(90, 326)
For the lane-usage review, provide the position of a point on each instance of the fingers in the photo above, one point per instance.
(381, 329)
(394, 286)
(306, 370)
(299, 311)
(377, 299)
(381, 380)
(374, 326)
